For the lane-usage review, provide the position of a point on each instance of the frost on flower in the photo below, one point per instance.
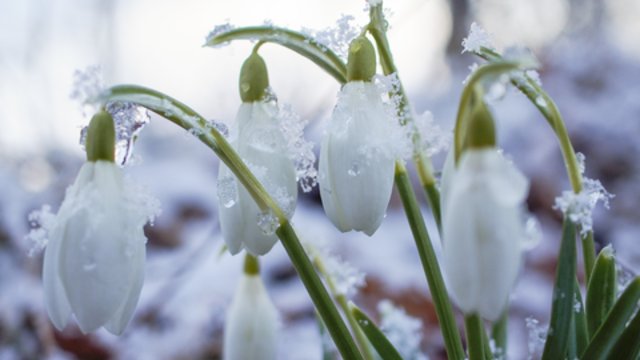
(433, 139)
(579, 207)
(478, 38)
(402, 330)
(87, 87)
(299, 150)
(338, 37)
(347, 279)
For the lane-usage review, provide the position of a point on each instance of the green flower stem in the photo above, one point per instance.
(499, 332)
(303, 44)
(548, 108)
(444, 311)
(343, 303)
(474, 329)
(377, 28)
(197, 125)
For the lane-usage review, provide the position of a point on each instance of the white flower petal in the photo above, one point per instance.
(251, 326)
(356, 166)
(55, 298)
(122, 316)
(448, 171)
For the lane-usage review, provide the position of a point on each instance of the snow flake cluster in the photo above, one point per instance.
(578, 207)
(337, 37)
(402, 330)
(299, 149)
(478, 38)
(347, 279)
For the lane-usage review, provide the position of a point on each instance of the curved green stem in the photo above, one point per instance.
(183, 116)
(474, 329)
(303, 44)
(444, 311)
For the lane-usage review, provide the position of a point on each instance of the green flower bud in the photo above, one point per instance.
(361, 65)
(254, 79)
(481, 131)
(101, 138)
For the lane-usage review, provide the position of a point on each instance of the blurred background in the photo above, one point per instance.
(590, 60)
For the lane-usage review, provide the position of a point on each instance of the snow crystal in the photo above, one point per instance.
(532, 233)
(87, 87)
(217, 31)
(580, 158)
(472, 69)
(433, 139)
(129, 119)
(227, 191)
(402, 330)
(478, 38)
(535, 76)
(498, 352)
(337, 38)
(285, 201)
(521, 55)
(268, 222)
(41, 222)
(579, 207)
(299, 150)
(537, 337)
(346, 278)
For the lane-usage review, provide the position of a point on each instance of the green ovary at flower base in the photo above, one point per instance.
(356, 161)
(257, 138)
(251, 326)
(483, 223)
(94, 262)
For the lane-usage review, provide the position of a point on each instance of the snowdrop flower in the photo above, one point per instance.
(261, 144)
(252, 323)
(356, 166)
(94, 262)
(483, 231)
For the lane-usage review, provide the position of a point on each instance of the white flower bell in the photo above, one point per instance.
(261, 144)
(94, 262)
(356, 165)
(483, 231)
(251, 326)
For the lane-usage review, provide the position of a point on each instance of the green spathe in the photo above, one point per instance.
(481, 132)
(101, 138)
(361, 65)
(254, 79)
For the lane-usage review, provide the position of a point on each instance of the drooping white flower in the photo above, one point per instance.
(356, 160)
(251, 327)
(261, 144)
(94, 261)
(483, 230)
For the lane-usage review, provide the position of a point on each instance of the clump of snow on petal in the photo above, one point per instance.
(141, 205)
(433, 139)
(217, 31)
(338, 37)
(402, 330)
(41, 222)
(299, 150)
(268, 222)
(578, 207)
(478, 38)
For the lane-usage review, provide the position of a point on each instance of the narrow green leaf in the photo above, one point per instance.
(615, 323)
(580, 320)
(383, 346)
(628, 344)
(499, 333)
(563, 296)
(601, 291)
(302, 44)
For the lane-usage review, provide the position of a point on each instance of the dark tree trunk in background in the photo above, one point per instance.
(460, 13)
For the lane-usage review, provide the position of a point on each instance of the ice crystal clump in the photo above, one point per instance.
(537, 336)
(579, 207)
(532, 233)
(87, 87)
(268, 222)
(41, 222)
(402, 330)
(338, 37)
(217, 31)
(400, 139)
(220, 127)
(227, 193)
(346, 278)
(478, 38)
(299, 150)
(433, 139)
(129, 119)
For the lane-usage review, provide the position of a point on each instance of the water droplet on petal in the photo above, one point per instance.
(354, 170)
